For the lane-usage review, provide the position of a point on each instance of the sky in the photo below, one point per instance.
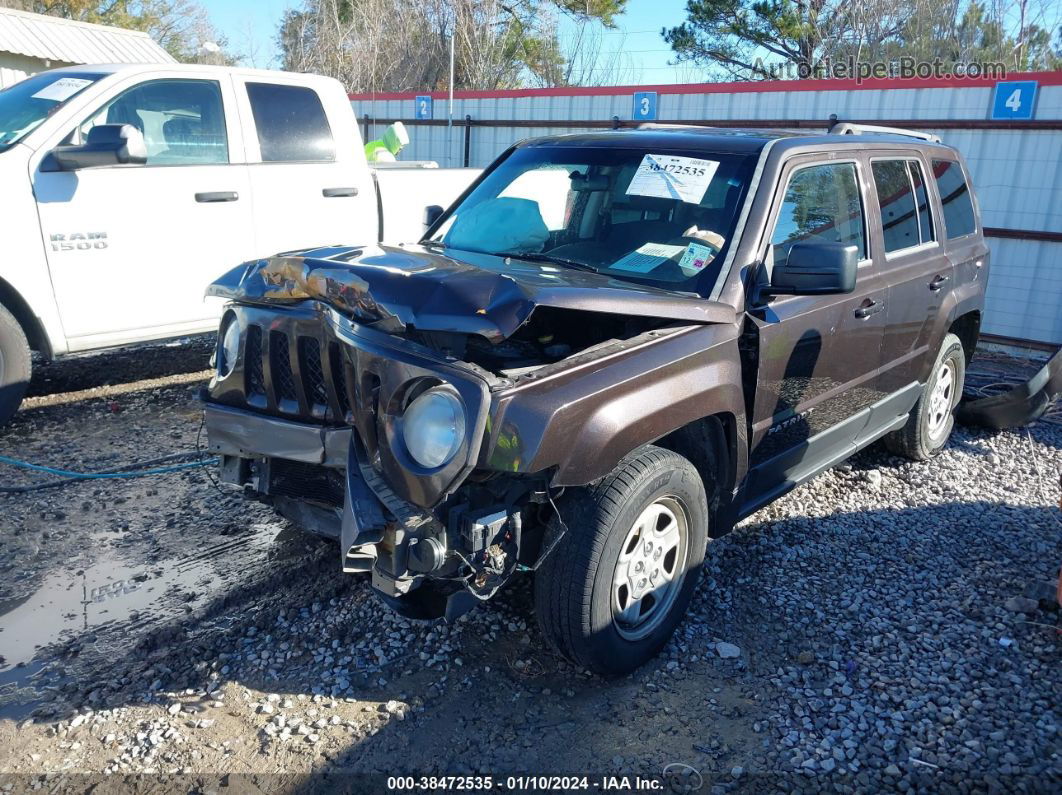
(250, 26)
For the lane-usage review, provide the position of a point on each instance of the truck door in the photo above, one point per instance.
(132, 248)
(307, 169)
(914, 263)
(816, 358)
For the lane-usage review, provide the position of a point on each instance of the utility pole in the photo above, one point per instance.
(450, 116)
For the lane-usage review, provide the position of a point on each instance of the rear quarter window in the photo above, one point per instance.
(955, 198)
(291, 124)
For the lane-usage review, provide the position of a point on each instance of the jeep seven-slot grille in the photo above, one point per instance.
(339, 380)
(312, 372)
(323, 386)
(253, 358)
(280, 367)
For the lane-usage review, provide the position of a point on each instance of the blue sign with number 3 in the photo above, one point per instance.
(423, 110)
(644, 106)
(1015, 99)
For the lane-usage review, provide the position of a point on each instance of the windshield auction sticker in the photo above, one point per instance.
(673, 177)
(62, 89)
(646, 258)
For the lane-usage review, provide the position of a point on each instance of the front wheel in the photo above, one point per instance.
(15, 365)
(612, 592)
(931, 420)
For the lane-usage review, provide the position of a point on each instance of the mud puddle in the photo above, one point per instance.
(108, 603)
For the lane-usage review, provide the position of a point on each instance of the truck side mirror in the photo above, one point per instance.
(816, 269)
(431, 214)
(105, 145)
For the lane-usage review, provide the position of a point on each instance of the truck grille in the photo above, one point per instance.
(299, 380)
(280, 367)
(253, 363)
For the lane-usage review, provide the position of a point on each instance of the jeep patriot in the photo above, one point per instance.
(611, 348)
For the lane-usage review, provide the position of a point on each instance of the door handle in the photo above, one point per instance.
(217, 196)
(332, 193)
(869, 308)
(938, 282)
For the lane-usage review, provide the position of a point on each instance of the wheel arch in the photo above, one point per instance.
(31, 325)
(967, 327)
(711, 444)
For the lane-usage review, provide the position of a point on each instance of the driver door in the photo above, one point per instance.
(131, 248)
(818, 356)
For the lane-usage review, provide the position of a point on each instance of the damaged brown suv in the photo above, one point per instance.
(609, 350)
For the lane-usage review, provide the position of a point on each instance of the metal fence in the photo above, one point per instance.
(1015, 157)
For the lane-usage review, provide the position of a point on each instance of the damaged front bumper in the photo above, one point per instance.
(335, 465)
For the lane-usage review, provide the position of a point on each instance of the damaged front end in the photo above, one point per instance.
(361, 393)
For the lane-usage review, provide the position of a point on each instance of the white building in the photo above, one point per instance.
(31, 43)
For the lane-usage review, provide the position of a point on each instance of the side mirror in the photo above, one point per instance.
(105, 145)
(431, 214)
(816, 269)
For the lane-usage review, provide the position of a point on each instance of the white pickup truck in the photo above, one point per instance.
(125, 190)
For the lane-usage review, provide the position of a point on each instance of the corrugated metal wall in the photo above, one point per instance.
(1017, 172)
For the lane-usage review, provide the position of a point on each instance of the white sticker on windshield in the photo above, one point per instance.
(62, 89)
(673, 177)
(695, 258)
(647, 257)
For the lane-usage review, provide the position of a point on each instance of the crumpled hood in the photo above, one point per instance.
(394, 288)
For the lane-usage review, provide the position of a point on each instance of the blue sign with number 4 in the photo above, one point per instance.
(423, 110)
(1015, 99)
(644, 106)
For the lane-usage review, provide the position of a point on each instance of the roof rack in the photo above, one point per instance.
(849, 128)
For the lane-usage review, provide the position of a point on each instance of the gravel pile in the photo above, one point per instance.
(879, 628)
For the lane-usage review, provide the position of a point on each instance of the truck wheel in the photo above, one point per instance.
(619, 581)
(931, 420)
(15, 365)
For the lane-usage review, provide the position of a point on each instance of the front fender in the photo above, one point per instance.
(581, 420)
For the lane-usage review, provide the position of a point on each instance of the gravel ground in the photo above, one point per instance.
(878, 628)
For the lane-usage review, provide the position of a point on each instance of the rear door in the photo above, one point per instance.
(132, 248)
(918, 272)
(817, 356)
(309, 179)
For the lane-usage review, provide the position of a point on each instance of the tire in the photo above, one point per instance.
(15, 365)
(578, 607)
(931, 420)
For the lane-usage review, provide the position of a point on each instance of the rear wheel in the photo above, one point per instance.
(931, 420)
(15, 365)
(612, 592)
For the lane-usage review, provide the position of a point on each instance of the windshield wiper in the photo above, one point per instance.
(534, 256)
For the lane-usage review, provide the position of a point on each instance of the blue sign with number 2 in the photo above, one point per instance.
(1015, 99)
(644, 106)
(423, 107)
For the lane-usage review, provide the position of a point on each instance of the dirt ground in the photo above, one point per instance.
(162, 626)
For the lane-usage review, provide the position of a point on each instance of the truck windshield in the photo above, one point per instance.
(663, 217)
(26, 104)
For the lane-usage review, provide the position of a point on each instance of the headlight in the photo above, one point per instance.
(433, 428)
(229, 349)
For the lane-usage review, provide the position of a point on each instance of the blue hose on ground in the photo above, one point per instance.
(69, 476)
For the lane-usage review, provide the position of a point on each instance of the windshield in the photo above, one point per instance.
(26, 104)
(661, 217)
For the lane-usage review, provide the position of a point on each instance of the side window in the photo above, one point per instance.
(925, 216)
(955, 198)
(821, 204)
(899, 217)
(291, 124)
(183, 121)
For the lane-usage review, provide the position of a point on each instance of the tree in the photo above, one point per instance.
(181, 27)
(742, 39)
(388, 45)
